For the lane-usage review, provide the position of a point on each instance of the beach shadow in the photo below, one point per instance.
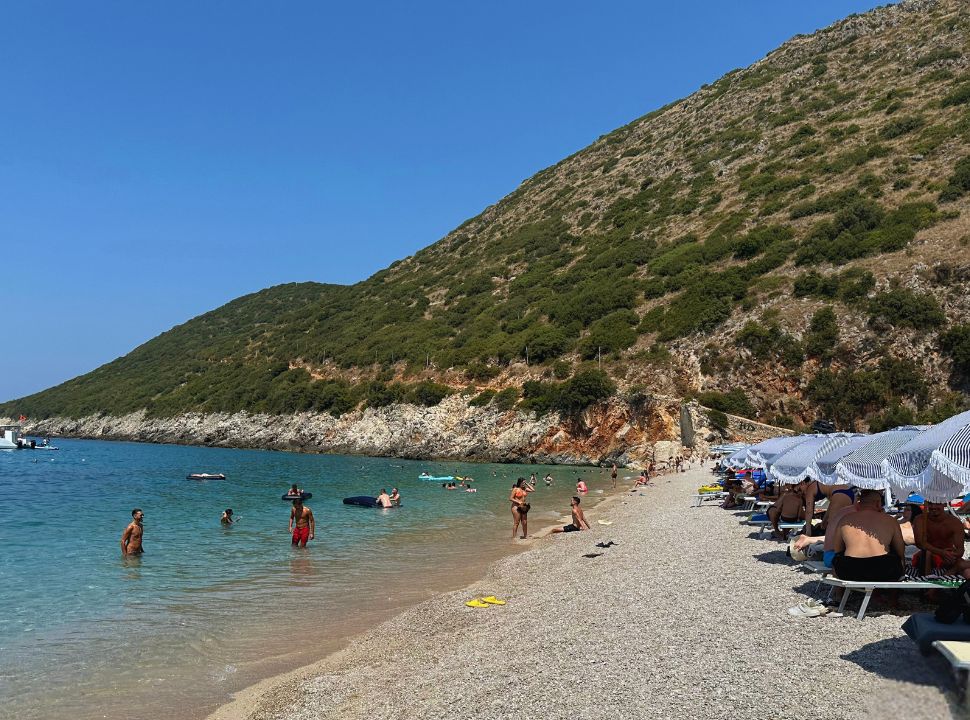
(774, 557)
(899, 659)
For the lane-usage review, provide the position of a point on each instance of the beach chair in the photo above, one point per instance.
(957, 653)
(701, 497)
(911, 582)
(820, 568)
(762, 523)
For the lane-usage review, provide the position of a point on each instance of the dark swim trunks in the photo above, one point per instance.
(882, 568)
(570, 528)
(301, 535)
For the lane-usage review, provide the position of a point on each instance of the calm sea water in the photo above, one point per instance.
(85, 633)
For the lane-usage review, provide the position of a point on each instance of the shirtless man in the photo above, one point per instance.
(788, 508)
(939, 536)
(579, 520)
(839, 496)
(301, 523)
(396, 496)
(828, 546)
(131, 537)
(384, 500)
(868, 543)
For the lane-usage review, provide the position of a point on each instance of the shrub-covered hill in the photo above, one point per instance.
(787, 242)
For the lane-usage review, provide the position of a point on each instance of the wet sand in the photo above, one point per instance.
(686, 616)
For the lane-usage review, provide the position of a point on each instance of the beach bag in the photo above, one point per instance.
(954, 604)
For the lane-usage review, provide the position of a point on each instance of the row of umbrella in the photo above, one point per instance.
(932, 461)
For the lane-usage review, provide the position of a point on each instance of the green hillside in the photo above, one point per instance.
(794, 233)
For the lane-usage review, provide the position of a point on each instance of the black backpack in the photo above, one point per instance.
(954, 604)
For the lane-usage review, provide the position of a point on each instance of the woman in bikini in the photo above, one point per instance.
(520, 508)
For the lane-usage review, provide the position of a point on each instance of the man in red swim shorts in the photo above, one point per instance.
(301, 523)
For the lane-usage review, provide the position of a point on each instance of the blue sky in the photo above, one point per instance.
(160, 159)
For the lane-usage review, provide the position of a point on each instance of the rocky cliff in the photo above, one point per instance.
(629, 433)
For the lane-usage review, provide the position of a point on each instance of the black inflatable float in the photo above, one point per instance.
(362, 501)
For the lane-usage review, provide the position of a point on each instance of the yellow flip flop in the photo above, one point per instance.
(476, 603)
(492, 600)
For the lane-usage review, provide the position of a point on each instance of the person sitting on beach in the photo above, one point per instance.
(301, 523)
(226, 518)
(384, 500)
(789, 508)
(839, 496)
(579, 520)
(640, 481)
(911, 511)
(520, 508)
(395, 497)
(939, 537)
(803, 542)
(868, 543)
(581, 486)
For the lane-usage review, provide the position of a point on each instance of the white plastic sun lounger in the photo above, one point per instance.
(958, 655)
(701, 497)
(869, 587)
(762, 524)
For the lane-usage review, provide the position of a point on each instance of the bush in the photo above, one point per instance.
(505, 399)
(904, 308)
(540, 397)
(718, 419)
(822, 335)
(483, 398)
(959, 96)
(955, 343)
(427, 393)
(561, 369)
(849, 286)
(735, 402)
(610, 334)
(583, 389)
(770, 341)
(901, 126)
(959, 182)
(481, 371)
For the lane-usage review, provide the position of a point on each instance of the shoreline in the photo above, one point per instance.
(635, 631)
(246, 704)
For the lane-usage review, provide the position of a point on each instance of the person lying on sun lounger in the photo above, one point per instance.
(788, 508)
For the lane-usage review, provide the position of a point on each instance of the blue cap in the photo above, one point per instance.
(915, 499)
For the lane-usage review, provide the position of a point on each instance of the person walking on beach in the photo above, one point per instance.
(301, 523)
(579, 520)
(520, 508)
(613, 475)
(131, 537)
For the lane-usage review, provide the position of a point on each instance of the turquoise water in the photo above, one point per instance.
(209, 609)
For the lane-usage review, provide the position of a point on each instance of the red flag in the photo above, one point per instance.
(23, 418)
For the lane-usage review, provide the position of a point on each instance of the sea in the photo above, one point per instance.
(210, 609)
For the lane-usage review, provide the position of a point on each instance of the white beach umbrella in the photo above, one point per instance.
(908, 469)
(791, 467)
(737, 459)
(761, 454)
(952, 459)
(863, 467)
(822, 468)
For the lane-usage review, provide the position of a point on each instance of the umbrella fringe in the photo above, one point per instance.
(910, 483)
(945, 466)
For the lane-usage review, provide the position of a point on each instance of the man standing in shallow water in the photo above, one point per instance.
(301, 523)
(131, 537)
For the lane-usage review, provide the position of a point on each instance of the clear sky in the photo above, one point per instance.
(160, 159)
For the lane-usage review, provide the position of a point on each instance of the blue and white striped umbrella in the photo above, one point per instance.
(737, 459)
(823, 467)
(952, 459)
(763, 453)
(791, 467)
(908, 469)
(863, 467)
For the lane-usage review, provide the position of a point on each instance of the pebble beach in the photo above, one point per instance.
(684, 617)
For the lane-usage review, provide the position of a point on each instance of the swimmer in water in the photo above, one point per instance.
(131, 537)
(226, 518)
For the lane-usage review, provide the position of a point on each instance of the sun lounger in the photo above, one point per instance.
(957, 653)
(765, 523)
(869, 587)
(701, 497)
(817, 566)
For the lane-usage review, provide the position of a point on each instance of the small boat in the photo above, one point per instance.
(12, 439)
(205, 476)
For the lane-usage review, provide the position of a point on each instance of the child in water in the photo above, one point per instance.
(581, 486)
